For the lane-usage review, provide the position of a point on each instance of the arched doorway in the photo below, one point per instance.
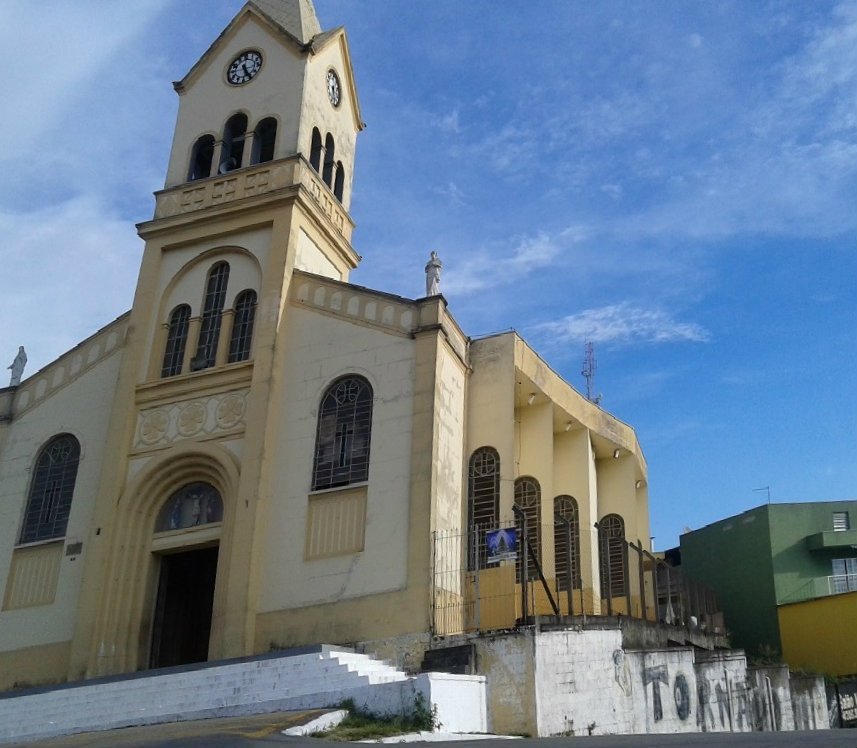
(185, 544)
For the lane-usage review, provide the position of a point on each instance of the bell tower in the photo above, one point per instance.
(258, 185)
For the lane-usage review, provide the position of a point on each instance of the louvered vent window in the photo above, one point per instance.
(176, 341)
(242, 326)
(528, 497)
(212, 317)
(483, 503)
(566, 507)
(611, 541)
(841, 522)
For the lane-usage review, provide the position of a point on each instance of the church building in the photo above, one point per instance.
(260, 454)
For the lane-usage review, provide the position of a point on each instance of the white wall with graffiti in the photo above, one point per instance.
(585, 683)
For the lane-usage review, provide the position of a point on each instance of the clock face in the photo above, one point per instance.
(244, 67)
(333, 90)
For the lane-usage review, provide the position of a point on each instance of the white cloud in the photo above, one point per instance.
(449, 123)
(484, 269)
(622, 324)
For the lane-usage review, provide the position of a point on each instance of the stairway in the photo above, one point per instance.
(303, 678)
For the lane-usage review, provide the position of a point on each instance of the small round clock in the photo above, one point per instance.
(334, 92)
(244, 67)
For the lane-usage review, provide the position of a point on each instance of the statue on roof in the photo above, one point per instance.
(17, 367)
(433, 268)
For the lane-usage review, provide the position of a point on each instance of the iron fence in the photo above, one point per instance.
(507, 575)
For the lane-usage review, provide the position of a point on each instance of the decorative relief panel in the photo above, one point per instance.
(247, 183)
(188, 419)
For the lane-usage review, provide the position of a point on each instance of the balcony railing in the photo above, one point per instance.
(835, 584)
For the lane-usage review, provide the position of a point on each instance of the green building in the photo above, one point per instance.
(772, 555)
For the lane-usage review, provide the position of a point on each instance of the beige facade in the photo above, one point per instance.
(267, 455)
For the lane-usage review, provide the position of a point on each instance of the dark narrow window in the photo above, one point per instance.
(242, 326)
(176, 341)
(315, 150)
(329, 160)
(343, 434)
(483, 503)
(233, 143)
(614, 556)
(567, 558)
(212, 317)
(528, 497)
(49, 502)
(201, 157)
(264, 139)
(339, 181)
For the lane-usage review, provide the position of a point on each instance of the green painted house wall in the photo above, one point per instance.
(761, 558)
(733, 557)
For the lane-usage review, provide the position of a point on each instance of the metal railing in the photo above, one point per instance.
(491, 578)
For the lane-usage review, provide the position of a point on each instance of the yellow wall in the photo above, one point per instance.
(819, 635)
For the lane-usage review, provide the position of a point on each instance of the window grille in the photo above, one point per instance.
(528, 498)
(176, 341)
(242, 326)
(566, 507)
(844, 577)
(841, 522)
(343, 434)
(483, 503)
(212, 316)
(192, 505)
(614, 556)
(49, 502)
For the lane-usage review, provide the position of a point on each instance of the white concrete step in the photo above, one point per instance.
(289, 680)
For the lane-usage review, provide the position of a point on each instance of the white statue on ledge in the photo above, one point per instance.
(433, 268)
(17, 367)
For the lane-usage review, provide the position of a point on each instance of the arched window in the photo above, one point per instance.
(264, 139)
(49, 502)
(201, 157)
(343, 435)
(483, 503)
(233, 143)
(329, 160)
(242, 326)
(339, 181)
(176, 341)
(528, 498)
(315, 150)
(614, 556)
(212, 316)
(192, 505)
(567, 559)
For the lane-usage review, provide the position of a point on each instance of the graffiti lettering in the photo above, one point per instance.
(656, 675)
(722, 705)
(681, 694)
(703, 709)
(742, 713)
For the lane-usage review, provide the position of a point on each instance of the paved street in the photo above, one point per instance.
(265, 730)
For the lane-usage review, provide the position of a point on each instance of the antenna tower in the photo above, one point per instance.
(589, 366)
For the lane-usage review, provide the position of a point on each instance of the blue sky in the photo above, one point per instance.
(675, 181)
